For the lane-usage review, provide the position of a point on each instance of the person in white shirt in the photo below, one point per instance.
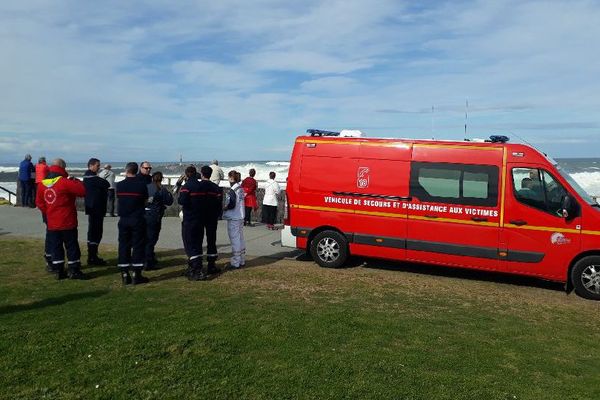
(269, 212)
(234, 215)
(108, 175)
(217, 174)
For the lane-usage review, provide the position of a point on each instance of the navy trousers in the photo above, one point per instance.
(95, 228)
(153, 226)
(60, 241)
(132, 240)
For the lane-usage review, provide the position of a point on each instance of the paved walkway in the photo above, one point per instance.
(260, 242)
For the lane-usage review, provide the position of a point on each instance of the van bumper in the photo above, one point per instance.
(287, 238)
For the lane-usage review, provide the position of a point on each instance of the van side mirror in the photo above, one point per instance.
(570, 208)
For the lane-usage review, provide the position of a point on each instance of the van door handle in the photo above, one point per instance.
(479, 219)
(517, 222)
(431, 216)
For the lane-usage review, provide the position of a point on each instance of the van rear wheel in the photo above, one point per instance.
(585, 277)
(329, 249)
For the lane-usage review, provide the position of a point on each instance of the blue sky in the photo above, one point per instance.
(238, 80)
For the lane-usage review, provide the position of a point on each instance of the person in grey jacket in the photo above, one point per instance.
(108, 175)
(233, 213)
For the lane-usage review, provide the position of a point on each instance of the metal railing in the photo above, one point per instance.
(9, 194)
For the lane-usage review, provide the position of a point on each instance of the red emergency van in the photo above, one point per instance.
(490, 205)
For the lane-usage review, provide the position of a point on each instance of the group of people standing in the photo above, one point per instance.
(142, 201)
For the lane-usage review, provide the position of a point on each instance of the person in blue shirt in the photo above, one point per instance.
(26, 169)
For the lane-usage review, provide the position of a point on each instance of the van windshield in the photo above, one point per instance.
(580, 191)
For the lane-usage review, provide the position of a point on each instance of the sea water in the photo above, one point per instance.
(586, 171)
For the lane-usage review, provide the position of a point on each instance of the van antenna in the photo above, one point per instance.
(432, 123)
(525, 141)
(466, 116)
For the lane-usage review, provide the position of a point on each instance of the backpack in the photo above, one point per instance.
(231, 200)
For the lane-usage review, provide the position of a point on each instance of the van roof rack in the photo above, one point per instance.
(318, 132)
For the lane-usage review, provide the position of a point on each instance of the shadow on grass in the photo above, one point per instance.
(463, 273)
(54, 301)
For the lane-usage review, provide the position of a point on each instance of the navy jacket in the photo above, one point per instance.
(157, 201)
(201, 200)
(96, 193)
(147, 179)
(132, 194)
(25, 169)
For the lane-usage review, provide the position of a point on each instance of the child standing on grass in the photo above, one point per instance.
(234, 215)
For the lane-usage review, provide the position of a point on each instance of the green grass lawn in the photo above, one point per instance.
(288, 329)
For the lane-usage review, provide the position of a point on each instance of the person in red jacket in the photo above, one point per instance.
(56, 200)
(250, 185)
(41, 170)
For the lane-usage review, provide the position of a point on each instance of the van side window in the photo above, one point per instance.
(475, 185)
(538, 188)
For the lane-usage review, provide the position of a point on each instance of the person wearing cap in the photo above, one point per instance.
(217, 173)
(56, 200)
(96, 195)
(109, 176)
(26, 170)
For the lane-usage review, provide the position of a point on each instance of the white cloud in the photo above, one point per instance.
(120, 77)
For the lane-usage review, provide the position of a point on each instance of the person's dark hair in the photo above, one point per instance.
(41, 160)
(131, 168)
(206, 171)
(93, 161)
(252, 173)
(235, 175)
(190, 171)
(272, 175)
(157, 177)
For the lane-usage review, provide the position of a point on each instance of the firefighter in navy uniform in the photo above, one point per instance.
(202, 207)
(158, 200)
(132, 194)
(96, 197)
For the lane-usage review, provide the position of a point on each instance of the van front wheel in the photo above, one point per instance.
(329, 249)
(585, 277)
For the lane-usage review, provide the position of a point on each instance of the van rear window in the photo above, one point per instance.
(467, 184)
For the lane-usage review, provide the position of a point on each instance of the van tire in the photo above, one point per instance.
(587, 272)
(329, 249)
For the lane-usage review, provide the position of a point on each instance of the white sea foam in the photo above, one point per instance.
(9, 169)
(590, 181)
(281, 170)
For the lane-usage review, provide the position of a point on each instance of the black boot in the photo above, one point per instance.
(59, 271)
(93, 258)
(126, 278)
(196, 270)
(212, 269)
(138, 278)
(75, 271)
(49, 267)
